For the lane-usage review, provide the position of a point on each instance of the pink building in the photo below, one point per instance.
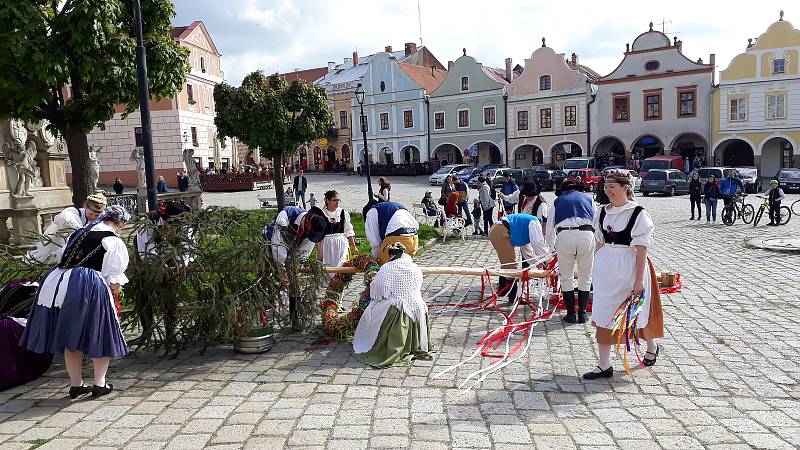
(186, 120)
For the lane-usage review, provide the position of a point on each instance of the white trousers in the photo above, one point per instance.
(575, 247)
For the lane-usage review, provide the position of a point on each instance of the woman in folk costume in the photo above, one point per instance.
(339, 239)
(624, 233)
(394, 328)
(74, 310)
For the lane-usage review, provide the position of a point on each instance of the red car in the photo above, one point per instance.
(590, 177)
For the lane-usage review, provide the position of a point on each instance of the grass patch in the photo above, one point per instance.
(36, 443)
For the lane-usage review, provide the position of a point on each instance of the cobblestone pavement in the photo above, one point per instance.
(727, 376)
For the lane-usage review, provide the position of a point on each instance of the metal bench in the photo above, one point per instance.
(422, 216)
(456, 225)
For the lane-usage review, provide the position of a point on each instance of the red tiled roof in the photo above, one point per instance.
(308, 75)
(426, 77)
(177, 32)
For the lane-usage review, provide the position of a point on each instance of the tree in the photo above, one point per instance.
(267, 113)
(71, 61)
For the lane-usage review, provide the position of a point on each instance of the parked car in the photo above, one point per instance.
(549, 166)
(789, 179)
(549, 179)
(520, 175)
(749, 176)
(438, 178)
(718, 172)
(635, 178)
(580, 162)
(493, 176)
(590, 177)
(607, 169)
(661, 162)
(665, 181)
(466, 173)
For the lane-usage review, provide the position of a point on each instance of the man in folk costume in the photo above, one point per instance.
(394, 328)
(72, 218)
(571, 232)
(389, 222)
(530, 201)
(307, 229)
(511, 232)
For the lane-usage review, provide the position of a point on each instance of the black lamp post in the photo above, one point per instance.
(144, 108)
(360, 99)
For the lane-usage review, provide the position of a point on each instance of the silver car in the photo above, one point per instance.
(437, 179)
(665, 181)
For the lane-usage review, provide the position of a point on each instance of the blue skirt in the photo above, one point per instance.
(85, 322)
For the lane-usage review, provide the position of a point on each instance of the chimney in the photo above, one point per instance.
(355, 58)
(509, 74)
(411, 48)
(679, 45)
(699, 60)
(627, 48)
(331, 66)
(450, 65)
(575, 59)
(388, 49)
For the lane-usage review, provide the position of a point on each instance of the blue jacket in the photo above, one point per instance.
(729, 186)
(161, 186)
(508, 189)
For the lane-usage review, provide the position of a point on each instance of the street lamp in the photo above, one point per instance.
(360, 99)
(144, 108)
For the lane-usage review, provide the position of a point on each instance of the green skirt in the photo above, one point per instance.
(398, 341)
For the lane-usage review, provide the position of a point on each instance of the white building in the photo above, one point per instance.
(657, 101)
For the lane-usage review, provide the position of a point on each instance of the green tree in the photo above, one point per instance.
(88, 45)
(267, 113)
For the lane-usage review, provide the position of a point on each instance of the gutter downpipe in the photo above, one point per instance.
(589, 126)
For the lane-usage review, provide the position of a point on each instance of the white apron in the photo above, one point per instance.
(335, 250)
(612, 279)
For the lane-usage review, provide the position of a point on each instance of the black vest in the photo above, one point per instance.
(536, 203)
(337, 227)
(87, 251)
(620, 237)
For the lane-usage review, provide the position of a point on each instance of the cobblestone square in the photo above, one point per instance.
(727, 375)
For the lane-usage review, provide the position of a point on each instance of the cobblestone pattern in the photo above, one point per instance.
(726, 377)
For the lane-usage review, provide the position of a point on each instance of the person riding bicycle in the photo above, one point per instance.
(730, 187)
(775, 196)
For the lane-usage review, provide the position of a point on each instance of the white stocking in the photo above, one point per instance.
(100, 370)
(74, 361)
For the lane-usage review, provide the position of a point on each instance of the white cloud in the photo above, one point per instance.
(283, 35)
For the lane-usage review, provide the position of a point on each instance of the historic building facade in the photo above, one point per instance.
(184, 121)
(756, 120)
(657, 101)
(468, 114)
(548, 114)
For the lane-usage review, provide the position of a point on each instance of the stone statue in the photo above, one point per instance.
(94, 165)
(22, 157)
(191, 167)
(138, 158)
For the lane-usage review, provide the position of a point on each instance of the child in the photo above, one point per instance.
(775, 196)
(476, 216)
(312, 202)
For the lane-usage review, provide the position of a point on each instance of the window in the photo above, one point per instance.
(488, 115)
(686, 103)
(545, 118)
(202, 64)
(343, 119)
(522, 120)
(438, 120)
(138, 136)
(738, 109)
(464, 83)
(776, 106)
(190, 94)
(570, 116)
(778, 65)
(621, 109)
(346, 154)
(652, 106)
(408, 119)
(544, 83)
(652, 65)
(385, 121)
(194, 137)
(463, 118)
(211, 139)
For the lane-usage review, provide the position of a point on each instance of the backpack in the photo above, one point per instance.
(492, 193)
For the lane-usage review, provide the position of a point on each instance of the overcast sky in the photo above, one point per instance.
(284, 35)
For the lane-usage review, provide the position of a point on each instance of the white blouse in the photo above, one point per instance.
(115, 260)
(617, 218)
(334, 216)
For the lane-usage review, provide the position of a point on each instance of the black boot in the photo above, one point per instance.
(569, 301)
(583, 302)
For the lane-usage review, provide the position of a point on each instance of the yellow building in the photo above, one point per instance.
(756, 120)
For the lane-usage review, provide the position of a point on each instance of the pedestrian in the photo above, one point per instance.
(118, 187)
(431, 210)
(451, 207)
(600, 195)
(339, 242)
(488, 201)
(183, 181)
(579, 184)
(386, 223)
(508, 188)
(696, 164)
(711, 194)
(571, 232)
(161, 186)
(624, 234)
(695, 195)
(447, 188)
(384, 192)
(512, 231)
(49, 249)
(476, 216)
(730, 187)
(300, 185)
(74, 310)
(463, 198)
(775, 197)
(312, 202)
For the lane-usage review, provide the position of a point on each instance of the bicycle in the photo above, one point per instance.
(737, 208)
(784, 215)
(796, 208)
